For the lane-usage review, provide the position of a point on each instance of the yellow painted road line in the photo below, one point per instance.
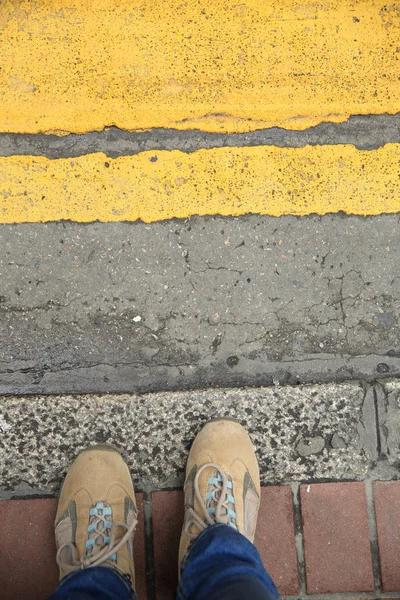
(228, 181)
(74, 66)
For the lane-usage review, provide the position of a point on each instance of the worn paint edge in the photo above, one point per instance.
(364, 132)
(154, 185)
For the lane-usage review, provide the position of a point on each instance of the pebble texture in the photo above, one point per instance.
(42, 435)
(388, 396)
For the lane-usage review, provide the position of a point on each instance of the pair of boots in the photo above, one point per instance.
(97, 514)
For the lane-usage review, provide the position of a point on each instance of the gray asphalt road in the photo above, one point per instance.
(198, 303)
(365, 132)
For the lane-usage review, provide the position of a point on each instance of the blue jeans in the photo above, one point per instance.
(220, 564)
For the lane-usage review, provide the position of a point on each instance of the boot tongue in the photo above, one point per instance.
(214, 491)
(99, 529)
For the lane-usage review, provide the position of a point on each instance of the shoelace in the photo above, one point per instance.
(107, 552)
(221, 513)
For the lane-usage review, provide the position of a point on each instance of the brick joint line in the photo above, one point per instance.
(149, 547)
(299, 540)
(373, 534)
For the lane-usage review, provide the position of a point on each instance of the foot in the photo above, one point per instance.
(222, 482)
(96, 515)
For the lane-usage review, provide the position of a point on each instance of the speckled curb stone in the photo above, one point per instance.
(388, 404)
(300, 433)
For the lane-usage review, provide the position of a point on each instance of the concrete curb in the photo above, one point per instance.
(337, 431)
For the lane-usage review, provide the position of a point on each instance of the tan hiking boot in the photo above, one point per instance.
(96, 515)
(222, 482)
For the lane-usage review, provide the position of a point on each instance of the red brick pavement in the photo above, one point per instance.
(325, 528)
